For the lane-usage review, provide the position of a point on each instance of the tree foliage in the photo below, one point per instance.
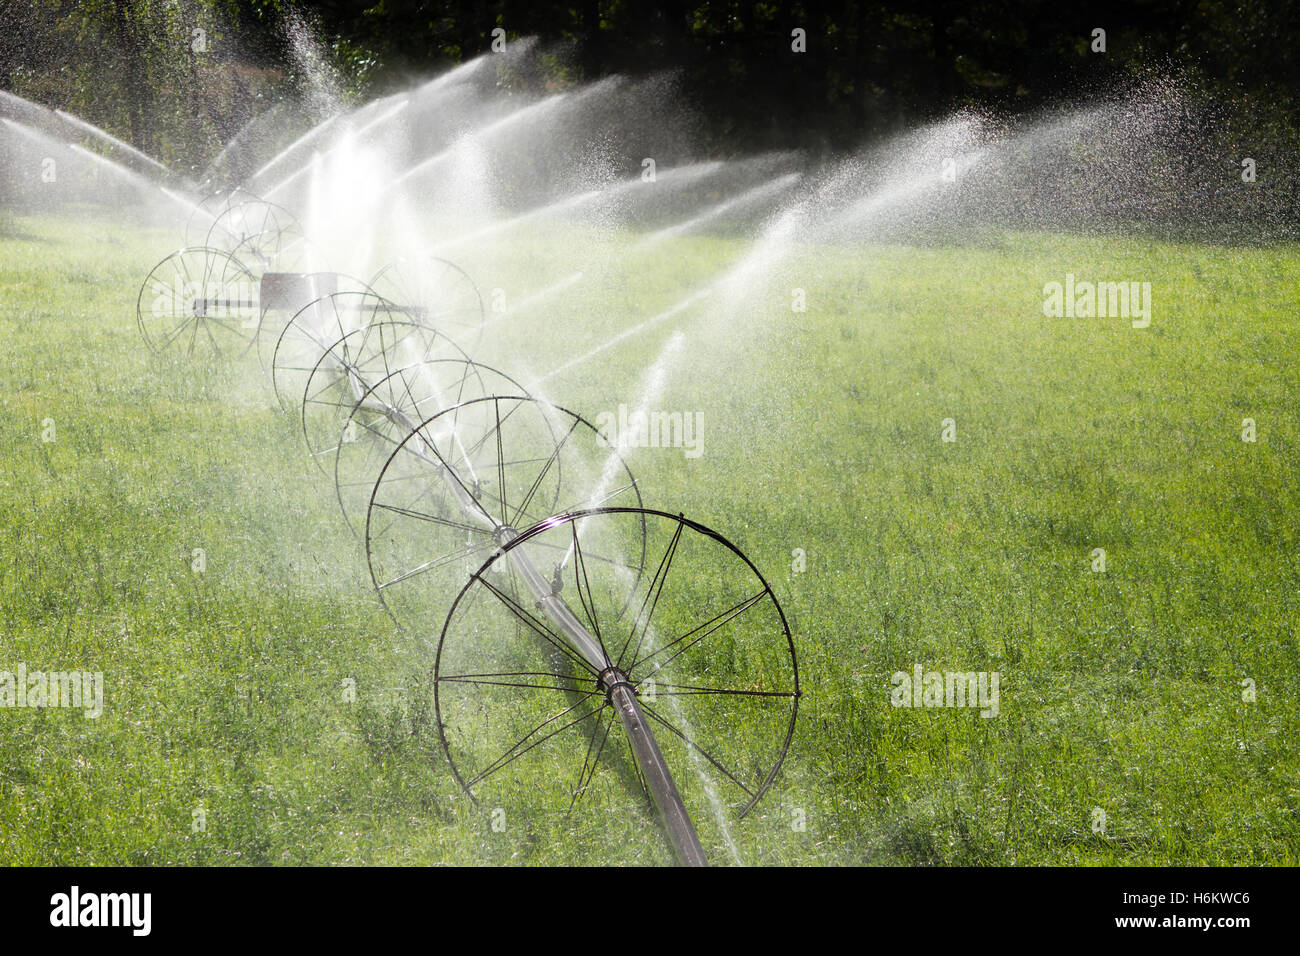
(132, 67)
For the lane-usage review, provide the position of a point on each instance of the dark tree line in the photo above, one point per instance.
(866, 68)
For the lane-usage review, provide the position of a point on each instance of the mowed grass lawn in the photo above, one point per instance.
(227, 737)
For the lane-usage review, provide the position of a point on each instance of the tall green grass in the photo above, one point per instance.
(1122, 691)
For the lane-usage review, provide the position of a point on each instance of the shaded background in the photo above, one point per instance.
(870, 68)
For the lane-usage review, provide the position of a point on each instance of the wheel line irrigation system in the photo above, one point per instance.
(365, 350)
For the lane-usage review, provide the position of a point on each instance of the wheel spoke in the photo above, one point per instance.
(537, 626)
(442, 562)
(493, 680)
(681, 690)
(501, 466)
(588, 602)
(646, 709)
(593, 760)
(514, 753)
(528, 498)
(724, 618)
(656, 588)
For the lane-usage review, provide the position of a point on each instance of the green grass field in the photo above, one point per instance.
(1121, 691)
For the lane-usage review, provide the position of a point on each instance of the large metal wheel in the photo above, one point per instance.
(436, 292)
(372, 341)
(259, 232)
(382, 417)
(706, 648)
(201, 301)
(459, 476)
